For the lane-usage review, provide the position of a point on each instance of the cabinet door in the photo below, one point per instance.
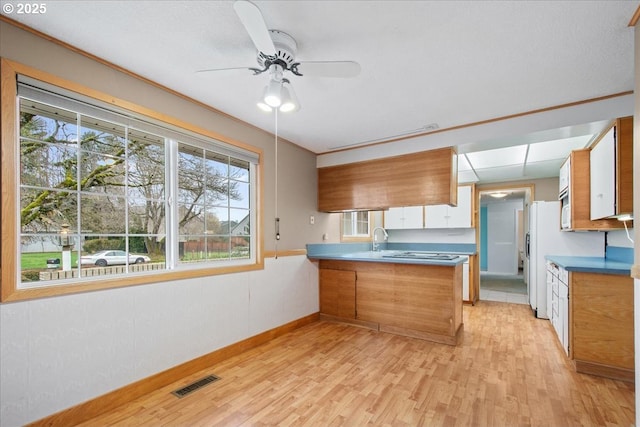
(404, 217)
(465, 281)
(602, 320)
(445, 216)
(563, 314)
(550, 280)
(413, 216)
(460, 216)
(393, 218)
(338, 293)
(603, 177)
(436, 216)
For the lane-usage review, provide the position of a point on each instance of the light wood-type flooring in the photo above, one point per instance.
(508, 371)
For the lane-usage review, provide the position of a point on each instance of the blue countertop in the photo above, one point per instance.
(591, 264)
(363, 252)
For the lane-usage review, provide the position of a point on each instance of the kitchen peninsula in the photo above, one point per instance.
(411, 293)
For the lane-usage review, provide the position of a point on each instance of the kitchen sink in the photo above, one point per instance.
(422, 255)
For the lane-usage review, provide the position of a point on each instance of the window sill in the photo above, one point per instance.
(49, 290)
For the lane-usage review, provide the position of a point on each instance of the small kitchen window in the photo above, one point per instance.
(356, 226)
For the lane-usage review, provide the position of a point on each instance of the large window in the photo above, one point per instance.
(104, 194)
(214, 214)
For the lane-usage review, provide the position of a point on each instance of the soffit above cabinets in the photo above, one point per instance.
(519, 162)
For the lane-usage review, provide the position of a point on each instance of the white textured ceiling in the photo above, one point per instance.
(447, 62)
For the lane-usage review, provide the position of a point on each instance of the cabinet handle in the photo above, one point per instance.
(600, 195)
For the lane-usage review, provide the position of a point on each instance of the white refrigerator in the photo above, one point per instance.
(546, 238)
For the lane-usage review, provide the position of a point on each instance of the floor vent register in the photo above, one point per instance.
(195, 386)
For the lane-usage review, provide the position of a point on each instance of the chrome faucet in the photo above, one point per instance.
(375, 244)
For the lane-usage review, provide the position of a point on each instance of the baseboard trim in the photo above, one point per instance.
(107, 402)
(612, 372)
(428, 336)
(354, 322)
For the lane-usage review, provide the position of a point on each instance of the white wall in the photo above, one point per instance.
(448, 235)
(620, 238)
(502, 250)
(58, 352)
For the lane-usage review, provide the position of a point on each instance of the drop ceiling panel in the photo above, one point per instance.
(467, 176)
(463, 164)
(556, 149)
(546, 169)
(498, 157)
(497, 174)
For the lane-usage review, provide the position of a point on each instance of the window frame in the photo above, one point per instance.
(10, 289)
(356, 238)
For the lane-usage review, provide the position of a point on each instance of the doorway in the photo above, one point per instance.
(503, 219)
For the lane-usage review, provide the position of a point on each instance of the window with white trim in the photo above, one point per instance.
(102, 194)
(356, 225)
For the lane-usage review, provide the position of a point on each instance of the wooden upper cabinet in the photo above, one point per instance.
(585, 168)
(580, 195)
(624, 165)
(603, 177)
(424, 178)
(612, 171)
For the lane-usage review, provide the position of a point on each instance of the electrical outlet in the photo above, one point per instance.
(312, 220)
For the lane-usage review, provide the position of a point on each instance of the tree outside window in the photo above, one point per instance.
(110, 183)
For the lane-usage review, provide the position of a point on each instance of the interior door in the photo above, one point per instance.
(501, 239)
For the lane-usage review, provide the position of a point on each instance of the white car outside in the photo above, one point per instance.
(104, 258)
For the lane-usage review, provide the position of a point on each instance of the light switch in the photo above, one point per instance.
(312, 219)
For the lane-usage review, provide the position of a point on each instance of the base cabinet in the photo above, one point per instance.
(601, 316)
(338, 293)
(558, 302)
(474, 280)
(408, 301)
(421, 301)
(466, 292)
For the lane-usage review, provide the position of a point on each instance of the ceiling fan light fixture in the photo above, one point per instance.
(289, 99)
(273, 94)
(264, 107)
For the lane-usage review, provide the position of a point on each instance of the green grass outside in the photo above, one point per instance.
(36, 260)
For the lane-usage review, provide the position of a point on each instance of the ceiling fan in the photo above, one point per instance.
(277, 56)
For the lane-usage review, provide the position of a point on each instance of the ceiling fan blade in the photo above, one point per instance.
(224, 69)
(253, 22)
(329, 68)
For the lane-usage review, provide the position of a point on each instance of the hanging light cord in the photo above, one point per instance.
(627, 230)
(276, 186)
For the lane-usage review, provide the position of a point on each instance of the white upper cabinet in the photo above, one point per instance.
(603, 177)
(404, 218)
(445, 216)
(611, 166)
